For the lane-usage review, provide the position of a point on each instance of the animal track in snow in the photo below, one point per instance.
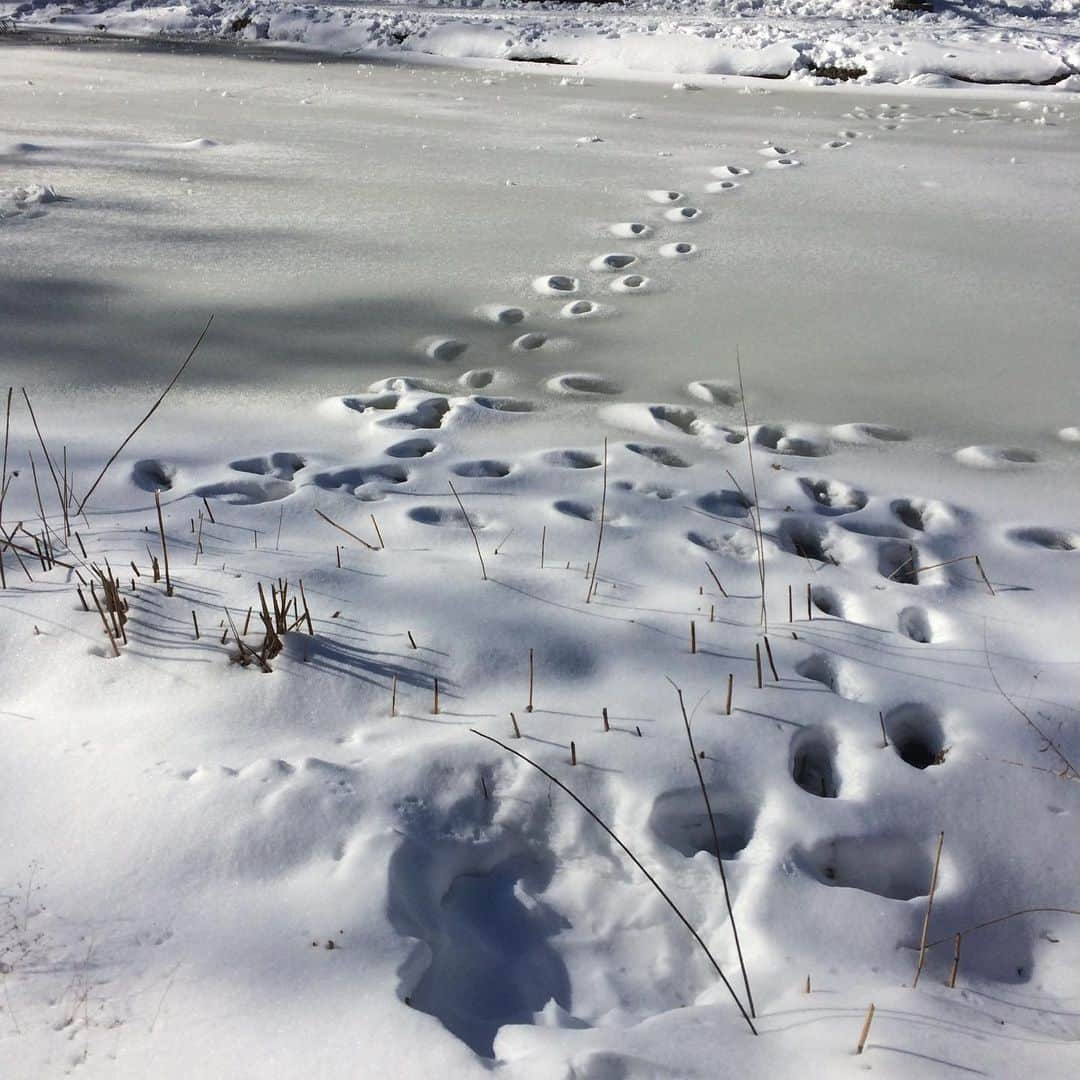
(678, 819)
(500, 314)
(575, 509)
(556, 285)
(813, 756)
(922, 625)
(246, 492)
(486, 467)
(833, 496)
(783, 163)
(152, 474)
(572, 459)
(660, 455)
(784, 440)
(658, 195)
(682, 249)
(812, 539)
(613, 261)
(829, 602)
(282, 465)
(898, 561)
(630, 283)
(896, 867)
(367, 484)
(714, 391)
(630, 230)
(424, 413)
(502, 404)
(582, 309)
(446, 516)
(445, 350)
(411, 448)
(725, 504)
(682, 213)
(529, 342)
(995, 457)
(583, 383)
(916, 734)
(837, 674)
(721, 187)
(733, 544)
(476, 379)
(835, 144)
(1049, 539)
(860, 434)
(773, 151)
(923, 515)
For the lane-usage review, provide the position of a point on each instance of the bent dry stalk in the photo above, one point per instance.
(634, 859)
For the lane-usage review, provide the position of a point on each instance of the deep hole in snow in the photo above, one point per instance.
(892, 866)
(679, 819)
(916, 734)
(491, 961)
(813, 754)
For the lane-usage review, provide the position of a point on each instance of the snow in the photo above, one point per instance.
(978, 41)
(186, 835)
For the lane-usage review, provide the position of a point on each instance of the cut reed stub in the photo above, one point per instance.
(865, 1029)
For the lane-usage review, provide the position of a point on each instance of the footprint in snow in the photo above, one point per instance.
(682, 213)
(682, 249)
(631, 283)
(630, 230)
(724, 171)
(555, 285)
(613, 262)
(659, 195)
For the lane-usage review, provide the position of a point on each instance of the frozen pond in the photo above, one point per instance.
(923, 275)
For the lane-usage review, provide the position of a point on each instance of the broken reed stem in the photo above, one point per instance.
(790, 605)
(637, 862)
(517, 730)
(806, 989)
(884, 734)
(543, 541)
(951, 984)
(48, 461)
(281, 518)
(164, 548)
(716, 579)
(929, 908)
(393, 697)
(716, 847)
(730, 690)
(529, 707)
(105, 623)
(604, 717)
(195, 620)
(573, 752)
(809, 603)
(378, 533)
(435, 702)
(1004, 918)
(693, 638)
(600, 533)
(198, 540)
(461, 505)
(910, 561)
(865, 1029)
(337, 554)
(209, 512)
(756, 511)
(757, 663)
(153, 409)
(768, 653)
(341, 528)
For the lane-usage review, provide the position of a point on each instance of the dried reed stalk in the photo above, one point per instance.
(461, 505)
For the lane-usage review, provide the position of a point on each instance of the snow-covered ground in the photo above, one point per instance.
(981, 41)
(427, 275)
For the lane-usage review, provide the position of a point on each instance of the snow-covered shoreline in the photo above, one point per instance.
(977, 43)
